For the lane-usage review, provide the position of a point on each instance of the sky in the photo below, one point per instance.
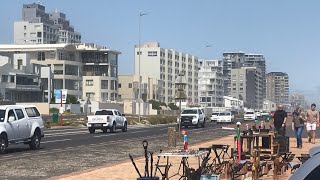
(287, 32)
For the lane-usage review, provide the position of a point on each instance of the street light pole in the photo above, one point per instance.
(139, 54)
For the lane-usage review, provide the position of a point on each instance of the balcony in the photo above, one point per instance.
(18, 87)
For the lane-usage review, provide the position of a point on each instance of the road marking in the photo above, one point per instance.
(59, 140)
(128, 132)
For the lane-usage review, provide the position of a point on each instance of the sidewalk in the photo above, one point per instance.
(126, 171)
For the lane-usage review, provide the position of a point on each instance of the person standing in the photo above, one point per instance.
(312, 121)
(298, 121)
(280, 120)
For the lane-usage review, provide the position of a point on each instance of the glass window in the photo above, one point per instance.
(89, 82)
(104, 84)
(119, 85)
(19, 113)
(2, 115)
(130, 85)
(32, 112)
(11, 114)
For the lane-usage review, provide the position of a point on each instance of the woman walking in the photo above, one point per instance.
(298, 121)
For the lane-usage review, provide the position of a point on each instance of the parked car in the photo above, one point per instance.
(20, 124)
(249, 115)
(105, 119)
(258, 114)
(214, 116)
(225, 117)
(192, 117)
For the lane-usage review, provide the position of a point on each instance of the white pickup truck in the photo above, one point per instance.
(105, 119)
(192, 117)
(20, 124)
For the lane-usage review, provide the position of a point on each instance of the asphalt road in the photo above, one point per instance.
(73, 149)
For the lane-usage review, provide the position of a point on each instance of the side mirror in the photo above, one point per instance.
(11, 118)
(123, 115)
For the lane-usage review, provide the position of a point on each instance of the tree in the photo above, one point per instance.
(155, 104)
(71, 99)
(172, 106)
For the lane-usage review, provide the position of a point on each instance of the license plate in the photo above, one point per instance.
(96, 125)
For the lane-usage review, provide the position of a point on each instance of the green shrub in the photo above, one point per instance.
(54, 110)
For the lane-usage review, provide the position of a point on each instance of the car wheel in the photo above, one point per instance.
(125, 127)
(204, 123)
(113, 128)
(198, 124)
(105, 130)
(91, 130)
(35, 141)
(3, 144)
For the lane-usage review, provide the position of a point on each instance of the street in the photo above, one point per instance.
(74, 149)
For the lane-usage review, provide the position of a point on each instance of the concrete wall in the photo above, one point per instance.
(42, 107)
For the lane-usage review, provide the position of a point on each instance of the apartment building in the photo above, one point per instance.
(278, 87)
(246, 85)
(19, 80)
(236, 60)
(165, 65)
(86, 70)
(39, 27)
(210, 83)
(100, 72)
(298, 100)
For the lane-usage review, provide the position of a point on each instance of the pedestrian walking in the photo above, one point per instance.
(312, 121)
(280, 120)
(298, 121)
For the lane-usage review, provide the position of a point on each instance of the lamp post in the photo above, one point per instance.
(139, 54)
(181, 85)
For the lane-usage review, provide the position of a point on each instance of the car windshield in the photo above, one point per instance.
(215, 114)
(2, 114)
(224, 114)
(104, 112)
(249, 112)
(190, 111)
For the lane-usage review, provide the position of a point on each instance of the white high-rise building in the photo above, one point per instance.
(164, 65)
(210, 83)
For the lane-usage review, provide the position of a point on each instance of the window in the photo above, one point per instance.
(11, 114)
(39, 34)
(89, 82)
(119, 85)
(241, 89)
(41, 56)
(24, 34)
(152, 53)
(25, 27)
(104, 84)
(139, 53)
(130, 85)
(12, 79)
(241, 84)
(32, 112)
(2, 115)
(90, 95)
(19, 113)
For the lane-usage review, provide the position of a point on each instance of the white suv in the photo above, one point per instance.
(20, 124)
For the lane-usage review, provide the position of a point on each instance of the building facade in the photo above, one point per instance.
(85, 70)
(39, 27)
(19, 80)
(246, 85)
(165, 65)
(298, 100)
(129, 88)
(210, 83)
(100, 72)
(278, 87)
(236, 60)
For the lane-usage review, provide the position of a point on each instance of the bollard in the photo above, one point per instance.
(172, 139)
